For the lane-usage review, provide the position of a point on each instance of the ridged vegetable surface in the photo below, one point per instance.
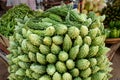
(61, 51)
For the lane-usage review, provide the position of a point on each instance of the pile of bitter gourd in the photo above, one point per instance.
(62, 44)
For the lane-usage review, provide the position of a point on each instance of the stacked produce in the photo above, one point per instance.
(113, 31)
(60, 46)
(8, 20)
(112, 12)
(112, 20)
(93, 5)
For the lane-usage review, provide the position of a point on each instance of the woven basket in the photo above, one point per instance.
(112, 40)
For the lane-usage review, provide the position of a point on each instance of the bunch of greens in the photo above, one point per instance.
(8, 22)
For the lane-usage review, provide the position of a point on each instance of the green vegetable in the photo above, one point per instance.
(55, 49)
(24, 65)
(82, 64)
(85, 73)
(67, 76)
(41, 58)
(75, 72)
(34, 39)
(50, 31)
(61, 29)
(50, 69)
(32, 56)
(70, 64)
(63, 56)
(84, 51)
(55, 17)
(10, 18)
(57, 76)
(74, 52)
(88, 78)
(24, 58)
(35, 75)
(29, 73)
(93, 51)
(61, 67)
(93, 33)
(45, 77)
(51, 58)
(67, 43)
(102, 51)
(83, 30)
(87, 40)
(95, 69)
(58, 40)
(93, 62)
(44, 49)
(32, 48)
(47, 41)
(98, 40)
(77, 78)
(20, 72)
(98, 76)
(78, 41)
(38, 68)
(73, 32)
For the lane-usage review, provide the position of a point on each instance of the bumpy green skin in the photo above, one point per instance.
(34, 39)
(77, 78)
(67, 50)
(85, 73)
(63, 56)
(78, 41)
(95, 69)
(61, 29)
(75, 72)
(47, 41)
(44, 49)
(55, 49)
(58, 40)
(82, 64)
(87, 40)
(93, 51)
(93, 62)
(57, 76)
(83, 31)
(70, 64)
(74, 52)
(67, 43)
(32, 56)
(51, 58)
(50, 31)
(93, 33)
(67, 76)
(38, 68)
(24, 65)
(61, 67)
(41, 58)
(45, 77)
(84, 51)
(51, 69)
(73, 32)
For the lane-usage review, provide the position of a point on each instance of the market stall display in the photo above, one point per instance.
(93, 5)
(60, 44)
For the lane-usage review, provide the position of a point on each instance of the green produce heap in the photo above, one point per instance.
(112, 20)
(8, 20)
(112, 12)
(60, 45)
